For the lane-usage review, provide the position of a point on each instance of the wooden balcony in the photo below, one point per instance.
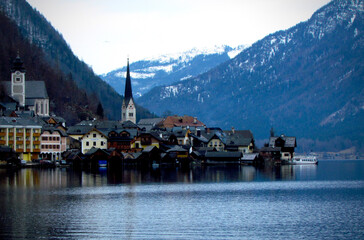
(19, 150)
(36, 142)
(2, 134)
(28, 150)
(19, 134)
(28, 134)
(36, 134)
(19, 142)
(11, 134)
(37, 150)
(2, 142)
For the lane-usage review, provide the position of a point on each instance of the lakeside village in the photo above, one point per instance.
(31, 136)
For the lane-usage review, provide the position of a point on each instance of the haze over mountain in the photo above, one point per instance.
(306, 81)
(169, 68)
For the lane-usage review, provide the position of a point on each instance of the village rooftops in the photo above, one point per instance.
(177, 121)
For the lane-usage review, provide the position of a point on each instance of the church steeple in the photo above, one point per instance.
(128, 92)
(128, 111)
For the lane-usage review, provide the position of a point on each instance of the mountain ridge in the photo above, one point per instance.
(292, 80)
(168, 68)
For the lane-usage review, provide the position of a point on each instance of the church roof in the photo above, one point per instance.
(33, 89)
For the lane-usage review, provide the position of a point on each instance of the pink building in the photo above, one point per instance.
(53, 143)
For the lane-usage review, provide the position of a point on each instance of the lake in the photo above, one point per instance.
(215, 202)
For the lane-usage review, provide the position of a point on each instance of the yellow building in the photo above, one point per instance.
(93, 139)
(22, 135)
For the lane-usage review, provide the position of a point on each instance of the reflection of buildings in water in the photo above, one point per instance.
(40, 178)
(248, 173)
(287, 172)
(305, 171)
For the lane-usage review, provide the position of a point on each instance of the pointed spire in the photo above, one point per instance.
(18, 64)
(128, 92)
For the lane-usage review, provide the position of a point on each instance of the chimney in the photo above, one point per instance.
(233, 130)
(198, 132)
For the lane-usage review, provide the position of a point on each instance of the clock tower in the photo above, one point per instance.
(18, 82)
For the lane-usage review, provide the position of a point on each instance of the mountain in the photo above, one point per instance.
(66, 99)
(38, 31)
(166, 69)
(306, 81)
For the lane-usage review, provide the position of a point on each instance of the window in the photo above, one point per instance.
(94, 143)
(17, 79)
(94, 135)
(45, 138)
(87, 143)
(131, 114)
(102, 143)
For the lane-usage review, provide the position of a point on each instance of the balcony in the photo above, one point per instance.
(11, 134)
(28, 134)
(36, 142)
(19, 134)
(37, 150)
(19, 142)
(19, 150)
(2, 134)
(36, 134)
(2, 142)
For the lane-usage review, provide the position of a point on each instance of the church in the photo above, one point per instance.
(29, 95)
(128, 110)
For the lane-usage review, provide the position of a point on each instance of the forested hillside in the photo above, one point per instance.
(66, 99)
(37, 30)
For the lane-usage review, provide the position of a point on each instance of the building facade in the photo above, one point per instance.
(22, 135)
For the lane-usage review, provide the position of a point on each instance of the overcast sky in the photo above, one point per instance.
(103, 33)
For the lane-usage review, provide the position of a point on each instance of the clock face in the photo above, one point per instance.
(17, 73)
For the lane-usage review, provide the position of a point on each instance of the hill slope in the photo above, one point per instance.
(66, 99)
(34, 27)
(306, 81)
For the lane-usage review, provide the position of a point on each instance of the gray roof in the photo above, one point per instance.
(150, 121)
(288, 141)
(18, 122)
(79, 129)
(250, 156)
(33, 89)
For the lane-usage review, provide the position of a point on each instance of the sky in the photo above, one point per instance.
(104, 33)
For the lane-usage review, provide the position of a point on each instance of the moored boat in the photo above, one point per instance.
(300, 160)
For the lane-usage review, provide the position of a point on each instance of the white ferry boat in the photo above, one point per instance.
(299, 160)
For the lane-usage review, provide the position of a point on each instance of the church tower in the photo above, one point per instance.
(18, 81)
(128, 111)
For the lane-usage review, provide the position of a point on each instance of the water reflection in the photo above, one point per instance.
(53, 178)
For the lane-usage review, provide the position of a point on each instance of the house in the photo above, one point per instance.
(21, 135)
(271, 154)
(53, 143)
(93, 139)
(239, 140)
(146, 139)
(148, 124)
(218, 141)
(120, 139)
(287, 145)
(30, 95)
(78, 131)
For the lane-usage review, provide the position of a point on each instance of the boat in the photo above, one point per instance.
(301, 160)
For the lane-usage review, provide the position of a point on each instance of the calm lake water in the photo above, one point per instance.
(287, 202)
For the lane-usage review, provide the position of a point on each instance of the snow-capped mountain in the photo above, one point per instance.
(169, 68)
(306, 81)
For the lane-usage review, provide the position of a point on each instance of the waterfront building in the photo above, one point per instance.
(128, 110)
(185, 122)
(239, 141)
(93, 139)
(145, 140)
(53, 143)
(29, 95)
(21, 135)
(287, 145)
